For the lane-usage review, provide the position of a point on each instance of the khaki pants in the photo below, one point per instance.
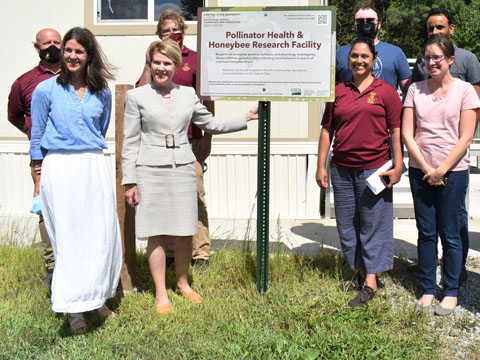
(47, 246)
(201, 241)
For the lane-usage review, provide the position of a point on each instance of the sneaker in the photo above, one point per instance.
(363, 297)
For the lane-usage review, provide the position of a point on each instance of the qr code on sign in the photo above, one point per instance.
(322, 19)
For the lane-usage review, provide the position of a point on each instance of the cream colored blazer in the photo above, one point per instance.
(156, 135)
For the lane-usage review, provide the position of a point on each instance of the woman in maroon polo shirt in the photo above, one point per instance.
(365, 113)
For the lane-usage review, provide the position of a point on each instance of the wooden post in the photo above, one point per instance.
(126, 215)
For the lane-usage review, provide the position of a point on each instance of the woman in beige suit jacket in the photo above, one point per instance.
(157, 163)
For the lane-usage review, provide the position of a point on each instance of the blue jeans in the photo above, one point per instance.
(364, 221)
(464, 230)
(438, 210)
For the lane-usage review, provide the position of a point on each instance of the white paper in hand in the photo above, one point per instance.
(375, 182)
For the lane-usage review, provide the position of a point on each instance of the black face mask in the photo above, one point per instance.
(50, 54)
(367, 29)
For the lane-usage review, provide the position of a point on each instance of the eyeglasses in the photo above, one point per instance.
(172, 31)
(435, 58)
(369, 20)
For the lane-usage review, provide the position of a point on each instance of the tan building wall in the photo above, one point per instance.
(124, 46)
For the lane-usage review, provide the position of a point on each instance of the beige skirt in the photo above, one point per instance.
(168, 201)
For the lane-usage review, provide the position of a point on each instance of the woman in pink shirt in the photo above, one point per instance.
(439, 121)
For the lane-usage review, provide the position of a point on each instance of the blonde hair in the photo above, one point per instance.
(166, 47)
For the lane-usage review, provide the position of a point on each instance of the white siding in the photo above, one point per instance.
(16, 185)
(231, 181)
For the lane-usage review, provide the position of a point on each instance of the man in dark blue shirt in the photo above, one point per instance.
(391, 64)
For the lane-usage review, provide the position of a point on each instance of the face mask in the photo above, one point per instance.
(367, 29)
(177, 37)
(50, 54)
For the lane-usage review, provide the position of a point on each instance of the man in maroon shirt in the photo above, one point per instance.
(47, 44)
(172, 25)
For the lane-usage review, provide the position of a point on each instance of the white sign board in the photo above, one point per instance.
(277, 53)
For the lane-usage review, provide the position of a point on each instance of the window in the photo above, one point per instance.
(143, 11)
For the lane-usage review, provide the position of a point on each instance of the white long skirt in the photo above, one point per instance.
(79, 211)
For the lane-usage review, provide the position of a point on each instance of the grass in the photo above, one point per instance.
(302, 316)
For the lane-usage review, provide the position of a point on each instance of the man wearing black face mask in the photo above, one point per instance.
(391, 64)
(47, 44)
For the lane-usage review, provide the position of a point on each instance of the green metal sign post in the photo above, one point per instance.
(263, 177)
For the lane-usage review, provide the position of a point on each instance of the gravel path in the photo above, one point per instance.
(460, 332)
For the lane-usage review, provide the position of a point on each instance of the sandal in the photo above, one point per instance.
(77, 323)
(105, 312)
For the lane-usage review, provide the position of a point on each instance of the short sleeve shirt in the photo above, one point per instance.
(186, 75)
(361, 122)
(391, 64)
(437, 120)
(19, 100)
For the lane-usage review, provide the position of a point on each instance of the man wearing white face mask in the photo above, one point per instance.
(47, 44)
(391, 64)
(172, 25)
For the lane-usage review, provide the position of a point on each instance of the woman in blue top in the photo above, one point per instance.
(70, 116)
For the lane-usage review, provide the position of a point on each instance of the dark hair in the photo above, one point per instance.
(367, 4)
(173, 16)
(97, 70)
(364, 40)
(443, 43)
(441, 11)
